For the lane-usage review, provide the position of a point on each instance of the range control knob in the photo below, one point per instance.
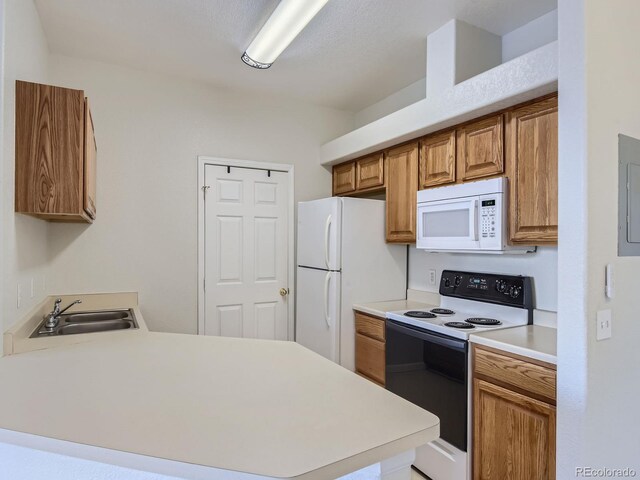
(447, 282)
(457, 280)
(501, 286)
(514, 292)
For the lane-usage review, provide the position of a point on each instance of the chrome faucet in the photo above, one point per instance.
(54, 317)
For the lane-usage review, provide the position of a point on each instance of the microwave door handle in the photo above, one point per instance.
(473, 220)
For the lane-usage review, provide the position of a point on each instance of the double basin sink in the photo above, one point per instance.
(88, 322)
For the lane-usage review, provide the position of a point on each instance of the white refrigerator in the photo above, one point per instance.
(342, 259)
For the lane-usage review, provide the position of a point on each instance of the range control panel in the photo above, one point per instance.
(488, 218)
(510, 290)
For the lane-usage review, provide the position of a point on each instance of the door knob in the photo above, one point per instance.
(284, 292)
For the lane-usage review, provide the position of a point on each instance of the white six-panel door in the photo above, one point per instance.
(246, 252)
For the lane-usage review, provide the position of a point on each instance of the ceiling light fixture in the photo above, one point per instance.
(284, 24)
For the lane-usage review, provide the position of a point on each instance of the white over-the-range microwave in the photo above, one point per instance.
(469, 218)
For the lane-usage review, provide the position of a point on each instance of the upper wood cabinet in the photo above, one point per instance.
(90, 160)
(480, 149)
(438, 159)
(520, 142)
(55, 164)
(532, 151)
(365, 175)
(514, 417)
(344, 178)
(402, 188)
(370, 172)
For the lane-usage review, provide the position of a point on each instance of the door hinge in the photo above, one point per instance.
(204, 284)
(204, 189)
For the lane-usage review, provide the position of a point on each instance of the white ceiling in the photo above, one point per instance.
(352, 54)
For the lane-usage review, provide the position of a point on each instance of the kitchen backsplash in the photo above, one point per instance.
(541, 265)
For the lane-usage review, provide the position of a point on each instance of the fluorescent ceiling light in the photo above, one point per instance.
(284, 24)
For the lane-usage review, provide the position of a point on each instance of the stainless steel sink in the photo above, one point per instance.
(88, 322)
(96, 316)
(91, 327)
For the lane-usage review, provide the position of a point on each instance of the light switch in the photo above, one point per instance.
(603, 324)
(432, 277)
(608, 281)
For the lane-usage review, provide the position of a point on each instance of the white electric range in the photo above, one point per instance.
(428, 363)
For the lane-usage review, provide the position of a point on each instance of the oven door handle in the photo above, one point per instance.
(427, 336)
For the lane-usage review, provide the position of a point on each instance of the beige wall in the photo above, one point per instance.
(150, 130)
(599, 98)
(25, 240)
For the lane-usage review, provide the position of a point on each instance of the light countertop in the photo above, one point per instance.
(380, 309)
(261, 407)
(415, 300)
(532, 341)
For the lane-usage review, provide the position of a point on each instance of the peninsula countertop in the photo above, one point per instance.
(259, 407)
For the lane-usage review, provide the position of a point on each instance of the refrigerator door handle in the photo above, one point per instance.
(327, 229)
(326, 299)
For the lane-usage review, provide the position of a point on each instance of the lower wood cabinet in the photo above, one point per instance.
(514, 417)
(402, 190)
(370, 347)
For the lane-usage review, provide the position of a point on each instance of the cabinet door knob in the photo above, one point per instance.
(284, 292)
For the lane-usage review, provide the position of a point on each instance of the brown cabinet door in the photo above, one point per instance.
(402, 187)
(438, 159)
(370, 358)
(370, 172)
(344, 178)
(480, 149)
(49, 157)
(90, 159)
(532, 152)
(514, 436)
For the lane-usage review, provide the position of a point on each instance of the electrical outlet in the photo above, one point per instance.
(603, 325)
(432, 277)
(19, 296)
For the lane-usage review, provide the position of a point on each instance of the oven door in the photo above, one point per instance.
(448, 224)
(430, 370)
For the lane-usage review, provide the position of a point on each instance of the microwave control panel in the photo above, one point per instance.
(488, 214)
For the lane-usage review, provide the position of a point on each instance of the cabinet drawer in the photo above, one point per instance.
(370, 358)
(370, 172)
(530, 377)
(370, 326)
(344, 178)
